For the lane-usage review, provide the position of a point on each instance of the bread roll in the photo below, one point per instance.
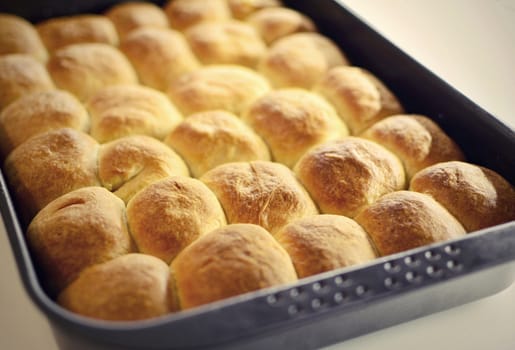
(478, 197)
(345, 176)
(259, 192)
(243, 8)
(83, 69)
(416, 140)
(79, 229)
(128, 288)
(229, 42)
(62, 31)
(208, 139)
(19, 36)
(276, 22)
(185, 13)
(21, 74)
(322, 243)
(300, 60)
(123, 110)
(228, 87)
(232, 260)
(291, 121)
(49, 165)
(159, 55)
(168, 215)
(37, 113)
(404, 220)
(358, 96)
(131, 163)
(129, 16)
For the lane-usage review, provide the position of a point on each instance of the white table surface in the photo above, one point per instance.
(471, 44)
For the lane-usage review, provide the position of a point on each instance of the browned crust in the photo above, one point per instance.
(186, 13)
(241, 9)
(129, 16)
(19, 36)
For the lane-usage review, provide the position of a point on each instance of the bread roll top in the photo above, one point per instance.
(478, 197)
(19, 36)
(77, 230)
(128, 288)
(322, 243)
(129, 16)
(186, 13)
(259, 192)
(241, 9)
(404, 220)
(232, 260)
(208, 139)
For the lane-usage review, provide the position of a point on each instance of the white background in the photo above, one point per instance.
(469, 43)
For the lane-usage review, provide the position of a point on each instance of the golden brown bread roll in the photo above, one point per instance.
(478, 197)
(79, 229)
(62, 31)
(170, 214)
(259, 192)
(300, 60)
(129, 16)
(345, 176)
(228, 42)
(358, 96)
(83, 69)
(131, 163)
(232, 260)
(208, 139)
(416, 140)
(49, 165)
(128, 288)
(185, 13)
(241, 9)
(37, 113)
(291, 121)
(19, 36)
(21, 74)
(404, 220)
(227, 87)
(123, 110)
(276, 22)
(159, 55)
(322, 243)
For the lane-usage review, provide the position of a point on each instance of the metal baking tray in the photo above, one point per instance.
(343, 303)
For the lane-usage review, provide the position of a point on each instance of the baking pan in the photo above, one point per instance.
(343, 303)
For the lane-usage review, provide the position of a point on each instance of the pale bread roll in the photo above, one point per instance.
(62, 31)
(416, 140)
(83, 69)
(159, 55)
(129, 288)
(228, 42)
(123, 110)
(21, 74)
(358, 96)
(129, 164)
(276, 22)
(345, 176)
(241, 9)
(478, 197)
(208, 139)
(404, 220)
(79, 229)
(19, 36)
(230, 261)
(129, 16)
(186, 13)
(322, 243)
(228, 87)
(291, 121)
(49, 165)
(300, 60)
(170, 214)
(259, 192)
(37, 113)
